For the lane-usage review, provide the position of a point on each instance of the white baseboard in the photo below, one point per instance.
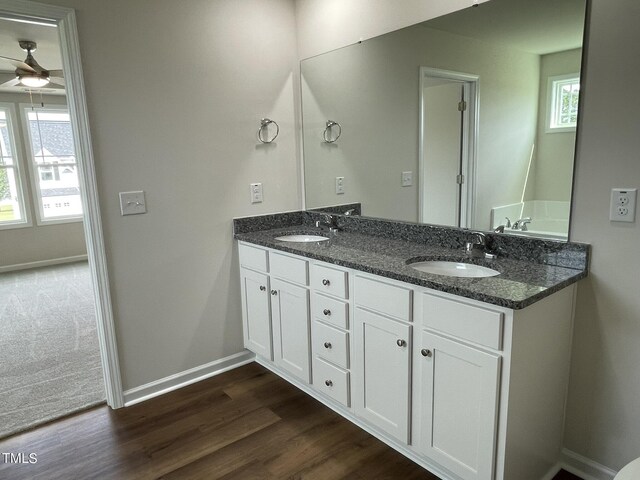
(552, 473)
(42, 263)
(182, 379)
(585, 467)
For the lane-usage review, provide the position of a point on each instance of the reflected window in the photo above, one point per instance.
(563, 107)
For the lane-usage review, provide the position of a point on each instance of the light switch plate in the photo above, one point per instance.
(132, 203)
(339, 185)
(407, 179)
(623, 205)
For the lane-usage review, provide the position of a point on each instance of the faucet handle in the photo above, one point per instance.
(507, 223)
(479, 238)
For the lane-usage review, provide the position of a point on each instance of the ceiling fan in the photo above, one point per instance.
(29, 73)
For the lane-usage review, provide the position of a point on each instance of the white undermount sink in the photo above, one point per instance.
(301, 238)
(454, 269)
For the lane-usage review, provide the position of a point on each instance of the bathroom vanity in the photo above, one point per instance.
(465, 376)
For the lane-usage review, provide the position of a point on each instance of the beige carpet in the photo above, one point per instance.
(49, 355)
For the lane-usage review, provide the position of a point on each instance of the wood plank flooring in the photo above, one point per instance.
(244, 424)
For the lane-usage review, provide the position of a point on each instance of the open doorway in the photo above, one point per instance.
(49, 184)
(448, 109)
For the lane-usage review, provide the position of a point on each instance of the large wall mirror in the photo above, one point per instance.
(465, 120)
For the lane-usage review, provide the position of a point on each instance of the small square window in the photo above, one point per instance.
(564, 93)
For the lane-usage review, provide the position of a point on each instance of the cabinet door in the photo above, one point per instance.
(458, 408)
(291, 338)
(383, 355)
(256, 315)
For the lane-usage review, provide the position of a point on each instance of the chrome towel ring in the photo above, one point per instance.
(327, 131)
(263, 131)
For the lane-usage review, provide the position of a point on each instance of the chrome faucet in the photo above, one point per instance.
(477, 246)
(521, 224)
(350, 212)
(330, 222)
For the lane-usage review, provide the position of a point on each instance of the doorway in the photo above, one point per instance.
(64, 19)
(448, 110)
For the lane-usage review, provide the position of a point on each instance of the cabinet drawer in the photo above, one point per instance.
(331, 344)
(330, 310)
(387, 298)
(253, 257)
(329, 280)
(332, 381)
(463, 320)
(289, 268)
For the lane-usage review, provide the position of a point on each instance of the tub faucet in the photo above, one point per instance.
(521, 224)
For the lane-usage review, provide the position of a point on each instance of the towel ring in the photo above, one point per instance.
(264, 123)
(327, 131)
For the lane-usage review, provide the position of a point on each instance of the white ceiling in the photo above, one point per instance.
(534, 26)
(47, 53)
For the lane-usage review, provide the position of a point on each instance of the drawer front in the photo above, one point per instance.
(331, 344)
(386, 298)
(332, 381)
(470, 322)
(289, 268)
(330, 310)
(255, 258)
(329, 280)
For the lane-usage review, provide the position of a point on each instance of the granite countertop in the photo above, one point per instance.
(519, 284)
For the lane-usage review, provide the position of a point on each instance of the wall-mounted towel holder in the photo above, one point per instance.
(328, 130)
(263, 131)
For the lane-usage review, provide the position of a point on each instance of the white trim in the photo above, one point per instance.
(42, 263)
(552, 472)
(584, 467)
(551, 103)
(182, 379)
(65, 18)
(469, 150)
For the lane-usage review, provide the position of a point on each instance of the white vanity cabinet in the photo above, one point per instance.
(469, 390)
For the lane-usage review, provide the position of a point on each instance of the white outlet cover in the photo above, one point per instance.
(623, 205)
(132, 203)
(407, 179)
(339, 185)
(256, 192)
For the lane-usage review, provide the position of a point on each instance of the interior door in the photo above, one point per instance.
(442, 146)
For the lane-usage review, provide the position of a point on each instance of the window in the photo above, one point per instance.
(13, 212)
(53, 161)
(564, 92)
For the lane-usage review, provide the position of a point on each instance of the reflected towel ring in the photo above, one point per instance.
(264, 123)
(327, 131)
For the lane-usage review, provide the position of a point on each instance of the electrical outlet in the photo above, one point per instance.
(256, 192)
(339, 185)
(623, 205)
(407, 179)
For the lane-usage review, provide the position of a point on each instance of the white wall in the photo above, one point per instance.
(38, 242)
(175, 94)
(603, 417)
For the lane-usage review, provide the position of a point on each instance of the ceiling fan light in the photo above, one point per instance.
(33, 81)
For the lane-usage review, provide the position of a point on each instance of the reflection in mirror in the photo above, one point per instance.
(465, 120)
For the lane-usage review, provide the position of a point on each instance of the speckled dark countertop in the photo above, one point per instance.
(520, 283)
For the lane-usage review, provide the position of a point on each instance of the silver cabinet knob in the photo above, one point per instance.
(328, 383)
(327, 344)
(327, 312)
(262, 288)
(274, 292)
(401, 343)
(425, 352)
(326, 282)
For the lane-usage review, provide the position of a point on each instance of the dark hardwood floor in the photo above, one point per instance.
(244, 424)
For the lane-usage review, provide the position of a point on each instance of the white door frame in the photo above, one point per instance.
(469, 141)
(65, 19)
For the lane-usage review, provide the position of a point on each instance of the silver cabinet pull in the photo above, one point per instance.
(326, 282)
(327, 312)
(425, 352)
(327, 344)
(401, 343)
(328, 383)
(262, 288)
(274, 292)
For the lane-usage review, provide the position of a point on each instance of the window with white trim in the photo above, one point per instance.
(53, 161)
(564, 93)
(13, 210)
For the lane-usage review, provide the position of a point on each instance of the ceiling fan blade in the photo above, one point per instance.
(19, 63)
(55, 86)
(58, 80)
(11, 83)
(56, 73)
